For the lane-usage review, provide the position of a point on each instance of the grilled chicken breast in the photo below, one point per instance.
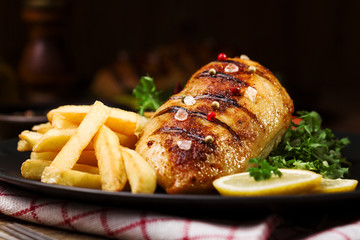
(228, 112)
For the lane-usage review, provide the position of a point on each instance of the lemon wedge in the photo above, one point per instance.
(336, 185)
(293, 181)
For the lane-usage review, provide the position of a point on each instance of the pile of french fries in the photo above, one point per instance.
(88, 147)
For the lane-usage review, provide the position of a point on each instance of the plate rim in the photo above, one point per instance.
(197, 197)
(164, 198)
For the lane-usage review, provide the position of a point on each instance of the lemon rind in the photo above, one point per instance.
(311, 182)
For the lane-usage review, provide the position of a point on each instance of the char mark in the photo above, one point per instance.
(230, 101)
(223, 76)
(202, 115)
(176, 130)
(244, 66)
(239, 64)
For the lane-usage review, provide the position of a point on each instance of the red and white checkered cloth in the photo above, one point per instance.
(132, 224)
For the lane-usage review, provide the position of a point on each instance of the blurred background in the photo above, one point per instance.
(56, 52)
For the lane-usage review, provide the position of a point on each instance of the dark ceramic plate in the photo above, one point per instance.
(10, 162)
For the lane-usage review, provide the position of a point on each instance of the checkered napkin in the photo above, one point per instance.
(131, 224)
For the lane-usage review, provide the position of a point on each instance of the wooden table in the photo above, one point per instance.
(49, 231)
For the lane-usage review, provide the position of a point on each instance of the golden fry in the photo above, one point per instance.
(42, 127)
(23, 146)
(49, 156)
(53, 140)
(59, 121)
(69, 177)
(87, 157)
(124, 122)
(110, 161)
(71, 152)
(141, 175)
(86, 168)
(89, 147)
(33, 168)
(127, 141)
(30, 136)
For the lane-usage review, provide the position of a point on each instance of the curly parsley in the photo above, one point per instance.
(307, 145)
(263, 171)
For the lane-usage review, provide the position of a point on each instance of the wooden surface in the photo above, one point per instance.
(52, 232)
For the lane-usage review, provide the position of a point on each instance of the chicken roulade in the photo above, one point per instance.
(230, 110)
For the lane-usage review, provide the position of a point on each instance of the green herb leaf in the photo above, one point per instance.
(263, 171)
(146, 94)
(307, 146)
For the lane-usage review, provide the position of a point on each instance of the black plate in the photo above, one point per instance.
(10, 161)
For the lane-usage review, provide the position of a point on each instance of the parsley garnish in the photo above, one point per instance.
(308, 146)
(147, 95)
(264, 170)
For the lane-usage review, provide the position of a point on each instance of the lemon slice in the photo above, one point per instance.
(293, 181)
(336, 185)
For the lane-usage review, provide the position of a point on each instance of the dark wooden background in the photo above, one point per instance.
(313, 46)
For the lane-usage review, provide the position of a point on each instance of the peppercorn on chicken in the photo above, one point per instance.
(230, 110)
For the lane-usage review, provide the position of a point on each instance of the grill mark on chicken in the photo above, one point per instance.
(245, 67)
(177, 130)
(242, 66)
(223, 76)
(202, 115)
(228, 101)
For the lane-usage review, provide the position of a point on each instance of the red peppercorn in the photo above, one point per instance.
(211, 116)
(235, 91)
(222, 57)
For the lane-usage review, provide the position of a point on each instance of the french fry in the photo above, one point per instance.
(49, 156)
(141, 175)
(30, 136)
(24, 146)
(110, 161)
(89, 147)
(87, 157)
(42, 127)
(59, 121)
(69, 177)
(127, 141)
(33, 168)
(125, 122)
(71, 152)
(53, 140)
(86, 168)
